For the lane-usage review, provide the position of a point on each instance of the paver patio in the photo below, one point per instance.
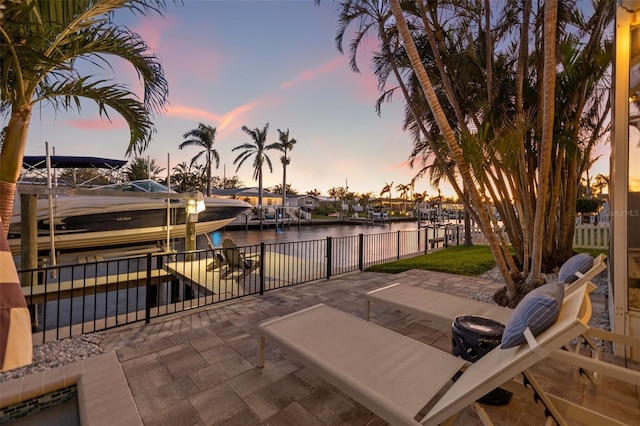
(199, 367)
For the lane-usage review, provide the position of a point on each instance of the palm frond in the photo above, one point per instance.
(67, 95)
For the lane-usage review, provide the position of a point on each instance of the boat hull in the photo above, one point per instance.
(95, 222)
(134, 236)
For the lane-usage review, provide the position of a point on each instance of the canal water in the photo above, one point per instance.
(301, 233)
(60, 313)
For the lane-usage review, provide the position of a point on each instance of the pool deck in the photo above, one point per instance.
(199, 367)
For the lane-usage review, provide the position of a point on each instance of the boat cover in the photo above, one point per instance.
(63, 161)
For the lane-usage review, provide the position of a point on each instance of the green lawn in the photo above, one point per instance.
(461, 260)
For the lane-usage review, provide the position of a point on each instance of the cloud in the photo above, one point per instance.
(167, 39)
(363, 86)
(116, 122)
(152, 28)
(403, 165)
(225, 123)
(183, 111)
(307, 75)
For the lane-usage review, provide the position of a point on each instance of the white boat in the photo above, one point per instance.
(135, 214)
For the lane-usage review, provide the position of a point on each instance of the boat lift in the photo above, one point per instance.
(29, 193)
(38, 170)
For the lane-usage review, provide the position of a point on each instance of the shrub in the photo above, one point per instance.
(587, 205)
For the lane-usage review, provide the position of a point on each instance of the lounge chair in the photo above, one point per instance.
(209, 241)
(218, 259)
(218, 262)
(399, 378)
(443, 308)
(237, 260)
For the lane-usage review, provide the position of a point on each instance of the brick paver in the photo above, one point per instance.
(199, 368)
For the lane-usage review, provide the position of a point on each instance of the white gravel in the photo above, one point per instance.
(57, 353)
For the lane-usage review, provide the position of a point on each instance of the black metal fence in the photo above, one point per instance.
(69, 300)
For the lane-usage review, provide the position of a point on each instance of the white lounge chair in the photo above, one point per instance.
(443, 308)
(399, 378)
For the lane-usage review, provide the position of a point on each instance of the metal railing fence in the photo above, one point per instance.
(69, 300)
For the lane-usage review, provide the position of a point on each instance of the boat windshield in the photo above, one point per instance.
(135, 186)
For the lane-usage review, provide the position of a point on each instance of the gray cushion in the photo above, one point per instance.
(581, 262)
(538, 310)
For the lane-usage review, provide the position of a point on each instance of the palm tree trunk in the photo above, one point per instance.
(260, 215)
(452, 143)
(7, 196)
(525, 208)
(284, 182)
(448, 172)
(208, 174)
(488, 43)
(546, 145)
(446, 81)
(11, 160)
(467, 227)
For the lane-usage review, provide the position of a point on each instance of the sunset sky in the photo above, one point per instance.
(235, 63)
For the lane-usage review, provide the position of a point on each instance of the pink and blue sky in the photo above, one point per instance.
(235, 63)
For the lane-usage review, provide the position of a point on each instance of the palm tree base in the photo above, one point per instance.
(7, 192)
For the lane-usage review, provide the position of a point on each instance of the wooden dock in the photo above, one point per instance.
(275, 267)
(47, 292)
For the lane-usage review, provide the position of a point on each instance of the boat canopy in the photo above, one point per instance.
(71, 162)
(35, 168)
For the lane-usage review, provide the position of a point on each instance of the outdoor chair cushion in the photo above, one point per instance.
(581, 262)
(538, 310)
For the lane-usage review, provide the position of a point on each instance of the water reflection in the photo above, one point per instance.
(305, 233)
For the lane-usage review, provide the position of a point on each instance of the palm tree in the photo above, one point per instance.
(226, 182)
(186, 177)
(141, 168)
(420, 197)
(339, 194)
(204, 137)
(600, 183)
(285, 144)
(452, 144)
(275, 189)
(374, 16)
(364, 199)
(386, 189)
(180, 176)
(39, 42)
(404, 190)
(579, 110)
(2, 135)
(257, 149)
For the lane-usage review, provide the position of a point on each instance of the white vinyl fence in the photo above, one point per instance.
(590, 236)
(586, 236)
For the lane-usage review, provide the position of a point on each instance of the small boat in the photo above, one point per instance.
(135, 214)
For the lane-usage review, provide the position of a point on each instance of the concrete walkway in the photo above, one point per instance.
(198, 368)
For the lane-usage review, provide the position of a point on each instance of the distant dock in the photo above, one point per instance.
(243, 223)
